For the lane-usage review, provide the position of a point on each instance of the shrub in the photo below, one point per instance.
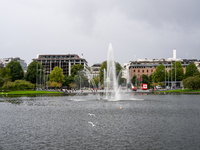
(18, 85)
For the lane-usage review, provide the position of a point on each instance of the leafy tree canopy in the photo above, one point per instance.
(192, 82)
(178, 70)
(191, 69)
(104, 65)
(159, 74)
(81, 80)
(16, 70)
(135, 81)
(56, 75)
(18, 85)
(34, 69)
(75, 69)
(145, 79)
(5, 72)
(3, 80)
(68, 80)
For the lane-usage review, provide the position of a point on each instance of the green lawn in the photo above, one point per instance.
(28, 92)
(181, 91)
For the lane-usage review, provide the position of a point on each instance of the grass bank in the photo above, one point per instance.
(181, 91)
(28, 92)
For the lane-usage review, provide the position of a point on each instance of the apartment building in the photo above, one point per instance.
(22, 62)
(95, 69)
(63, 61)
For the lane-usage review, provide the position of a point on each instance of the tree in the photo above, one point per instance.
(5, 73)
(96, 81)
(54, 84)
(3, 80)
(191, 69)
(34, 72)
(177, 69)
(145, 79)
(81, 80)
(56, 75)
(75, 69)
(16, 70)
(68, 80)
(104, 66)
(192, 82)
(159, 74)
(18, 85)
(122, 81)
(134, 80)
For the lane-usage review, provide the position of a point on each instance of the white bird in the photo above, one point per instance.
(91, 114)
(92, 123)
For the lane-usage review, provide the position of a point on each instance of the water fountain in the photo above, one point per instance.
(111, 84)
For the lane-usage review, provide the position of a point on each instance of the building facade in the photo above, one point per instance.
(147, 67)
(63, 61)
(197, 63)
(22, 62)
(95, 69)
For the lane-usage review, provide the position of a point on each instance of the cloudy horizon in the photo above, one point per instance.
(146, 29)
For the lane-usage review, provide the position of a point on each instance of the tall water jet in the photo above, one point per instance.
(111, 81)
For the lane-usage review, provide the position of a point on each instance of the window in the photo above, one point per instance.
(142, 71)
(138, 70)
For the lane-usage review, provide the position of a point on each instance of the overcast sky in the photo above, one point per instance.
(144, 28)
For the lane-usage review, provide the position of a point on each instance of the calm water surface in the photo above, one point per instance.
(65, 122)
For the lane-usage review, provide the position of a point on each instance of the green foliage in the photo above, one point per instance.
(145, 79)
(179, 71)
(159, 74)
(5, 76)
(54, 84)
(191, 69)
(3, 80)
(18, 85)
(192, 82)
(68, 80)
(73, 85)
(96, 81)
(16, 70)
(122, 81)
(5, 72)
(104, 65)
(135, 81)
(159, 83)
(35, 70)
(75, 69)
(56, 75)
(81, 80)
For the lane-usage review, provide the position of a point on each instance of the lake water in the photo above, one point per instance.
(65, 122)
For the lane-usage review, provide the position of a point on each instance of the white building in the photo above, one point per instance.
(22, 62)
(125, 72)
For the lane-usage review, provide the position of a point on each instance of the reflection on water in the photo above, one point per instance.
(91, 122)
